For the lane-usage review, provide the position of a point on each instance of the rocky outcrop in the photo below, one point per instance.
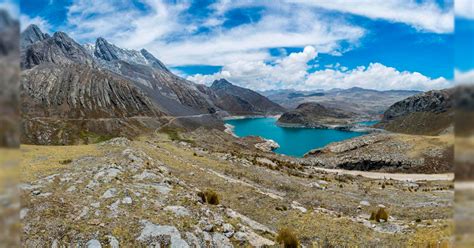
(386, 152)
(241, 101)
(313, 114)
(428, 113)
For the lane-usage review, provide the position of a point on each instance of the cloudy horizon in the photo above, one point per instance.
(292, 44)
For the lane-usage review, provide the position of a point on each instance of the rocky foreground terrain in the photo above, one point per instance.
(175, 190)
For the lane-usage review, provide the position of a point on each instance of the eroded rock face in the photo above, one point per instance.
(428, 113)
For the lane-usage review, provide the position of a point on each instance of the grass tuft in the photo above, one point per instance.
(287, 238)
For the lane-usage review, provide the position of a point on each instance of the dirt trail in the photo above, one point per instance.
(394, 176)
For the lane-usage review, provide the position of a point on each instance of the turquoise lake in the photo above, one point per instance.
(293, 141)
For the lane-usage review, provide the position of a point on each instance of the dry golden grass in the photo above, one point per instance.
(40, 161)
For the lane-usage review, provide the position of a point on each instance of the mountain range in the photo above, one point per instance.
(368, 102)
(98, 87)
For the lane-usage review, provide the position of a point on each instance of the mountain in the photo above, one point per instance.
(71, 92)
(238, 100)
(365, 102)
(429, 113)
(315, 115)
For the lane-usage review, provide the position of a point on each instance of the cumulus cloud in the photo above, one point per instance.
(464, 8)
(291, 72)
(464, 77)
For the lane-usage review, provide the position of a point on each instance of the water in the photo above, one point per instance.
(293, 141)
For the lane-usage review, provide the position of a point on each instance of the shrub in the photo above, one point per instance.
(372, 215)
(287, 238)
(209, 197)
(381, 215)
(66, 161)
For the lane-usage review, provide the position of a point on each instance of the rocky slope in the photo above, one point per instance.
(388, 152)
(241, 101)
(313, 114)
(429, 113)
(148, 193)
(68, 88)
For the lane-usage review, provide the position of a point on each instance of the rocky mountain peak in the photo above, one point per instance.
(31, 35)
(155, 63)
(104, 50)
(220, 84)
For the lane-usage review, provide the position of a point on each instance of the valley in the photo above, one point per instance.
(119, 151)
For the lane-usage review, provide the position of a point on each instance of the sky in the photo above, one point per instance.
(279, 44)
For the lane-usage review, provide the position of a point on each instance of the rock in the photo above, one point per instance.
(112, 192)
(23, 213)
(192, 240)
(113, 242)
(254, 239)
(228, 230)
(315, 185)
(114, 208)
(127, 200)
(95, 204)
(36, 192)
(55, 244)
(119, 141)
(219, 240)
(152, 233)
(251, 223)
(178, 210)
(108, 174)
(93, 243)
(71, 189)
(364, 203)
(296, 205)
(146, 175)
(267, 146)
(208, 228)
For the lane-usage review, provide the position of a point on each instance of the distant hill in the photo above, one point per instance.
(237, 100)
(313, 114)
(429, 113)
(358, 100)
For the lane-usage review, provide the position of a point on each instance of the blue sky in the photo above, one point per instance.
(300, 44)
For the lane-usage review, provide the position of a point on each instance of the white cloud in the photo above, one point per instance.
(425, 15)
(464, 8)
(464, 77)
(42, 23)
(291, 72)
(166, 33)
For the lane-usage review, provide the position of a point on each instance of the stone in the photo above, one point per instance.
(228, 230)
(93, 243)
(23, 213)
(150, 232)
(219, 240)
(71, 189)
(364, 203)
(113, 242)
(109, 193)
(127, 200)
(178, 210)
